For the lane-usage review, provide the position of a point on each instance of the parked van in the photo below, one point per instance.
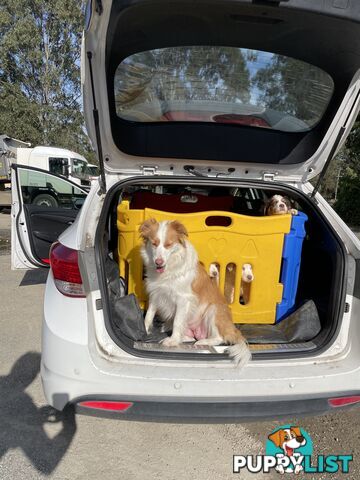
(210, 106)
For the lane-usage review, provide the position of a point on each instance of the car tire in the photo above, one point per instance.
(45, 200)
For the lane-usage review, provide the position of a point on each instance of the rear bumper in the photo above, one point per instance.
(208, 412)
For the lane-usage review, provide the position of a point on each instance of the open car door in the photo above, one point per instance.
(43, 206)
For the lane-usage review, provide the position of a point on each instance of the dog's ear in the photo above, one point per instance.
(297, 431)
(265, 207)
(287, 203)
(268, 206)
(276, 438)
(148, 228)
(180, 230)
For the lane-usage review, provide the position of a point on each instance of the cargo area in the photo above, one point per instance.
(291, 305)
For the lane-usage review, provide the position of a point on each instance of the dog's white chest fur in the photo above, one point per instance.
(169, 293)
(174, 286)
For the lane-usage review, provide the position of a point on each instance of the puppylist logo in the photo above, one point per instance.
(289, 449)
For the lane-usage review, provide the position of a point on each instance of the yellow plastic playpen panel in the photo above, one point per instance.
(255, 240)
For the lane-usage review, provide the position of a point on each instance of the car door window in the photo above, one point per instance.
(79, 168)
(43, 189)
(56, 165)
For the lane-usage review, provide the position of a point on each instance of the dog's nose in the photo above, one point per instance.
(281, 205)
(300, 438)
(159, 262)
(249, 277)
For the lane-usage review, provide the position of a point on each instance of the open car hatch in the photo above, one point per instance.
(222, 88)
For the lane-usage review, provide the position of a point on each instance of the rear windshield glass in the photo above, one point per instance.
(221, 84)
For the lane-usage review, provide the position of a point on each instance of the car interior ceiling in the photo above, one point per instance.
(320, 280)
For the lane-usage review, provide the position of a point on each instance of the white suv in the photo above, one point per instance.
(223, 102)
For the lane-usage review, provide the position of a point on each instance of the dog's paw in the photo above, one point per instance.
(170, 342)
(293, 211)
(280, 469)
(298, 469)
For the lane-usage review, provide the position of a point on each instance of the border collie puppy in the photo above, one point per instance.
(182, 293)
(247, 276)
(279, 205)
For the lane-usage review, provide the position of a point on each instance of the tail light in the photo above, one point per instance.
(343, 401)
(105, 405)
(65, 269)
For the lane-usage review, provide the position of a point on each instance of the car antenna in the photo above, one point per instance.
(97, 129)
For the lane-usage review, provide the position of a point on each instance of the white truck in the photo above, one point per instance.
(8, 149)
(55, 160)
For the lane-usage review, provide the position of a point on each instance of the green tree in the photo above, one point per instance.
(348, 201)
(353, 148)
(329, 188)
(183, 73)
(40, 92)
(293, 87)
(341, 184)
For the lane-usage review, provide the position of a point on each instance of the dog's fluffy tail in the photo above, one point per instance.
(238, 350)
(240, 353)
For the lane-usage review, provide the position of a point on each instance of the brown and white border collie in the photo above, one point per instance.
(279, 205)
(182, 293)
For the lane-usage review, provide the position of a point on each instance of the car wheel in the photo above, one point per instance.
(45, 200)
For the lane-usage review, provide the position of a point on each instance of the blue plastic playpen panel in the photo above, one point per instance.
(291, 264)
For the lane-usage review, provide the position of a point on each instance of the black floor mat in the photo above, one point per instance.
(300, 326)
